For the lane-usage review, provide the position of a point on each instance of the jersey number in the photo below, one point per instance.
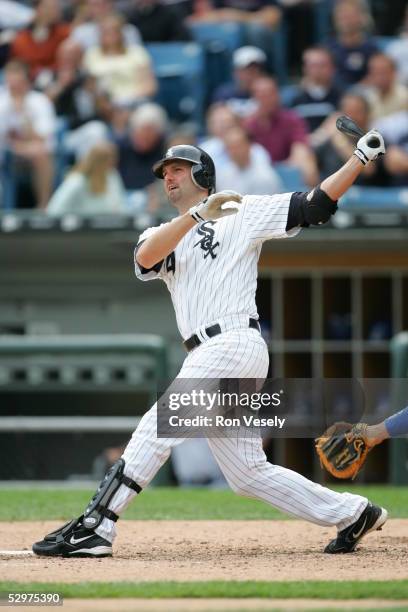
(171, 263)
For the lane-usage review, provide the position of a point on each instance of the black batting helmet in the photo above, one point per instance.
(202, 169)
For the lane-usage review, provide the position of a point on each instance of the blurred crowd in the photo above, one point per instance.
(82, 119)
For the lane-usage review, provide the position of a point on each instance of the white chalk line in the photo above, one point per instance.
(16, 553)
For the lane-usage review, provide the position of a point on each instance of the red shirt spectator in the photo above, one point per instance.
(282, 132)
(37, 45)
(278, 133)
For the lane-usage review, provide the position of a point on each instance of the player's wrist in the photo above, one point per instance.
(196, 212)
(376, 434)
(361, 156)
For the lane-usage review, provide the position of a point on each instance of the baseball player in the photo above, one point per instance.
(208, 256)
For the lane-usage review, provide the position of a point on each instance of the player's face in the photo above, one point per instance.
(178, 184)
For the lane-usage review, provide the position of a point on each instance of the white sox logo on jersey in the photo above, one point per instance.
(207, 240)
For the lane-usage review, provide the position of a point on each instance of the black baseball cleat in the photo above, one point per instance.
(372, 518)
(73, 540)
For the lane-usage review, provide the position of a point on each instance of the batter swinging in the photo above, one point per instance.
(208, 256)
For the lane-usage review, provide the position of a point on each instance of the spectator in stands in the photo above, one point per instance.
(185, 133)
(143, 143)
(299, 22)
(387, 16)
(333, 148)
(37, 45)
(88, 20)
(6, 38)
(27, 130)
(385, 94)
(243, 172)
(92, 187)
(396, 136)
(75, 94)
(245, 11)
(317, 96)
(259, 18)
(398, 50)
(14, 15)
(221, 119)
(351, 46)
(156, 22)
(86, 110)
(249, 64)
(124, 72)
(281, 131)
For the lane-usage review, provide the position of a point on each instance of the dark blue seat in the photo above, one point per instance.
(179, 68)
(291, 177)
(219, 41)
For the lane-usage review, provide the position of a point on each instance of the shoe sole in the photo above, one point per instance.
(96, 552)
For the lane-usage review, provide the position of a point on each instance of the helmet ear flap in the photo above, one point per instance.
(200, 176)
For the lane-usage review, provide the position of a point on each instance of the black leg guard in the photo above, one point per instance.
(97, 508)
(70, 526)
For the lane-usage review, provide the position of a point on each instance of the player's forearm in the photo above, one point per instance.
(164, 241)
(338, 183)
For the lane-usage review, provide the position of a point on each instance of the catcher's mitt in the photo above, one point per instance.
(343, 449)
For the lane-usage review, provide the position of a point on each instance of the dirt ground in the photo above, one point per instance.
(211, 550)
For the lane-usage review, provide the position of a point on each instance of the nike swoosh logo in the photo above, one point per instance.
(360, 531)
(78, 540)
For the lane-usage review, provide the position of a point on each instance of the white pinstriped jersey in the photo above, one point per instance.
(213, 271)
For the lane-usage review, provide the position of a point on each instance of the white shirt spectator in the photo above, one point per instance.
(394, 128)
(122, 76)
(14, 15)
(398, 51)
(216, 149)
(258, 178)
(74, 196)
(37, 111)
(87, 35)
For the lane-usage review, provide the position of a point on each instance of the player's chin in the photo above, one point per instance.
(174, 194)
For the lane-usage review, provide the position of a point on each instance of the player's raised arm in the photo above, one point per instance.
(316, 207)
(338, 183)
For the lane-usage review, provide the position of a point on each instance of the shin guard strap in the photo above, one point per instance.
(131, 484)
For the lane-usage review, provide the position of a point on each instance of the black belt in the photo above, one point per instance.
(212, 331)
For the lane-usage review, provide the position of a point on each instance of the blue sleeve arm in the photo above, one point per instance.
(397, 424)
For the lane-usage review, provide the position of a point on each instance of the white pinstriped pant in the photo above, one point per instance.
(239, 353)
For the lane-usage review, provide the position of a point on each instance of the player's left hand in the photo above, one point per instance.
(343, 449)
(216, 206)
(365, 151)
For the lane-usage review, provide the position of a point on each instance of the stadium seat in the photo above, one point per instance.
(219, 41)
(291, 177)
(288, 93)
(179, 68)
(223, 36)
(375, 198)
(8, 181)
(322, 19)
